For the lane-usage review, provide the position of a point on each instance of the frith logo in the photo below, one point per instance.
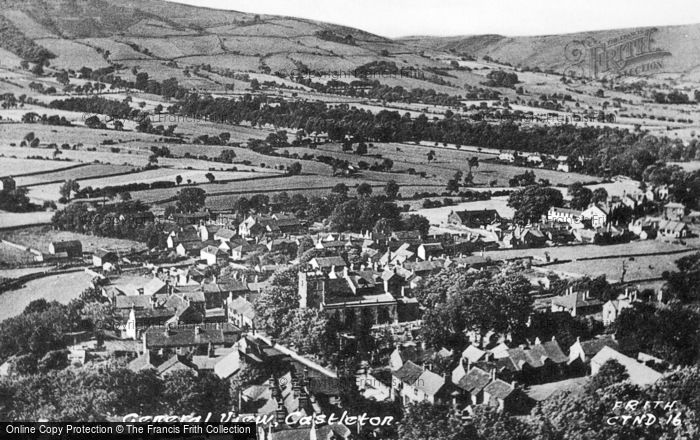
(632, 54)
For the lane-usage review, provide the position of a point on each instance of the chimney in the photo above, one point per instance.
(210, 350)
(197, 330)
(493, 374)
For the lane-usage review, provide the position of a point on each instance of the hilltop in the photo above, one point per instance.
(666, 50)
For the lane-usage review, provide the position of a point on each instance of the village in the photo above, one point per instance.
(194, 303)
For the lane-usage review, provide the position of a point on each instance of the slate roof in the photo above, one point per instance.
(175, 363)
(575, 299)
(499, 389)
(593, 346)
(184, 336)
(473, 353)
(430, 383)
(549, 350)
(474, 381)
(225, 234)
(408, 373)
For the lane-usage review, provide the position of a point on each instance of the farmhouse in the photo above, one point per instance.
(72, 248)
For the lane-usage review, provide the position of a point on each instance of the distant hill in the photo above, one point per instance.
(92, 32)
(164, 38)
(662, 50)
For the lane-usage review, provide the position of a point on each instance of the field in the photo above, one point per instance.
(580, 252)
(447, 162)
(438, 216)
(39, 237)
(62, 288)
(72, 55)
(78, 173)
(11, 256)
(51, 191)
(636, 268)
(17, 167)
(15, 219)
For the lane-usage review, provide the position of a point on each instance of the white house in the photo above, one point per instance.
(564, 215)
(596, 215)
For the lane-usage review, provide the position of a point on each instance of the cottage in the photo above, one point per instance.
(597, 216)
(207, 232)
(500, 395)
(328, 264)
(613, 308)
(72, 248)
(473, 384)
(429, 250)
(672, 229)
(241, 312)
(577, 303)
(583, 351)
(213, 255)
(189, 248)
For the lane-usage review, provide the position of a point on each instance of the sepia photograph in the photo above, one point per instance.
(350, 220)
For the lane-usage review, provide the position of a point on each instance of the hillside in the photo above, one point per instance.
(667, 50)
(97, 32)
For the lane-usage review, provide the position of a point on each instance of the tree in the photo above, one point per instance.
(68, 187)
(452, 186)
(600, 195)
(416, 222)
(210, 177)
(580, 196)
(364, 189)
(190, 199)
(340, 188)
(294, 169)
(473, 163)
(391, 189)
(532, 202)
(610, 373)
(431, 155)
(456, 302)
(273, 305)
(178, 179)
(426, 421)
